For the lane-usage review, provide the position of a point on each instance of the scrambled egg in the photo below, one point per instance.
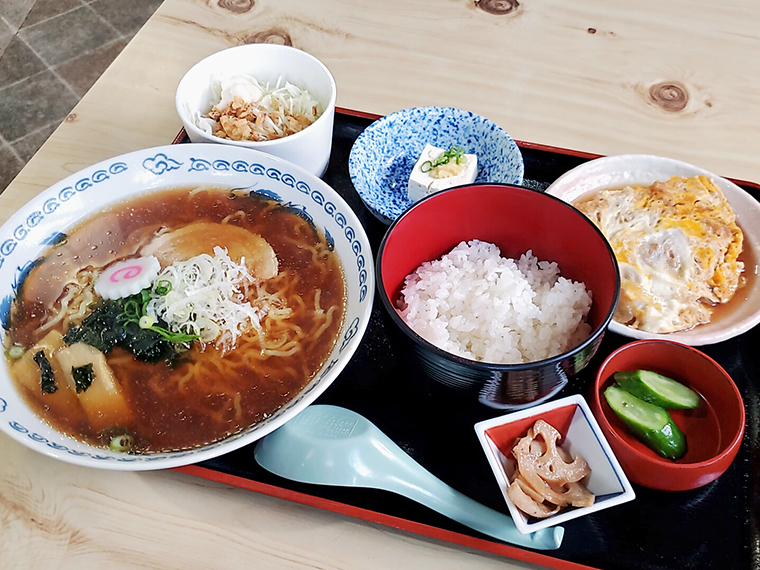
(677, 245)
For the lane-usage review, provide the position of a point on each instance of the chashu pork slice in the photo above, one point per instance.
(202, 237)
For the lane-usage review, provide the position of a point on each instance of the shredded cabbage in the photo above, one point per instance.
(277, 105)
(207, 296)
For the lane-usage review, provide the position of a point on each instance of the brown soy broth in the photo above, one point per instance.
(177, 422)
(225, 394)
(749, 257)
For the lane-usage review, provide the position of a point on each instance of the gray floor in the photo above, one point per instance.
(51, 52)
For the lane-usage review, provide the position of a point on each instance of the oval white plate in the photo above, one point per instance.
(24, 237)
(644, 169)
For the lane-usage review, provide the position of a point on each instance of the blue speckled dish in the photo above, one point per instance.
(383, 156)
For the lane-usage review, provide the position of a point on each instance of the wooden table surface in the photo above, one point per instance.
(679, 79)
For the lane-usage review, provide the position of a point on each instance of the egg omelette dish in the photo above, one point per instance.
(677, 245)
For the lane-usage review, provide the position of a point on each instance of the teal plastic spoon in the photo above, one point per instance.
(328, 445)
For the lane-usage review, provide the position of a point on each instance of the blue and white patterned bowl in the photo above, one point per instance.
(383, 156)
(25, 235)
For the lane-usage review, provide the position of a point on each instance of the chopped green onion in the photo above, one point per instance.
(163, 287)
(132, 310)
(454, 153)
(16, 351)
(123, 442)
(174, 336)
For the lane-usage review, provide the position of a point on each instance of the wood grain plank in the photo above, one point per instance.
(580, 75)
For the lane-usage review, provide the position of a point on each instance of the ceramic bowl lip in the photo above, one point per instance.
(655, 460)
(179, 102)
(51, 441)
(427, 111)
(628, 165)
(626, 493)
(429, 347)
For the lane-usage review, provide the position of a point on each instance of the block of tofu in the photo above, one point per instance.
(441, 177)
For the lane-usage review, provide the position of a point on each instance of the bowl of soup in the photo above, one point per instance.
(172, 304)
(686, 241)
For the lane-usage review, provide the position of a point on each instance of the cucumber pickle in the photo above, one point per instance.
(657, 389)
(649, 423)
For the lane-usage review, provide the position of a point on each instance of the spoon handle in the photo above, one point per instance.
(425, 488)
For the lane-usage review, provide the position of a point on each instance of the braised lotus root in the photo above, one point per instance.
(547, 478)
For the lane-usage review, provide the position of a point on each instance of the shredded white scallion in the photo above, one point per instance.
(207, 297)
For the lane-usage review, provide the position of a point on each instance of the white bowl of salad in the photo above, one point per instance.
(273, 98)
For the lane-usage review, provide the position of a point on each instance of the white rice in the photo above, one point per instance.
(476, 304)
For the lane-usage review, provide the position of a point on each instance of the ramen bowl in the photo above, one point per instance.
(384, 154)
(516, 220)
(580, 434)
(92, 194)
(713, 431)
(742, 312)
(199, 90)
